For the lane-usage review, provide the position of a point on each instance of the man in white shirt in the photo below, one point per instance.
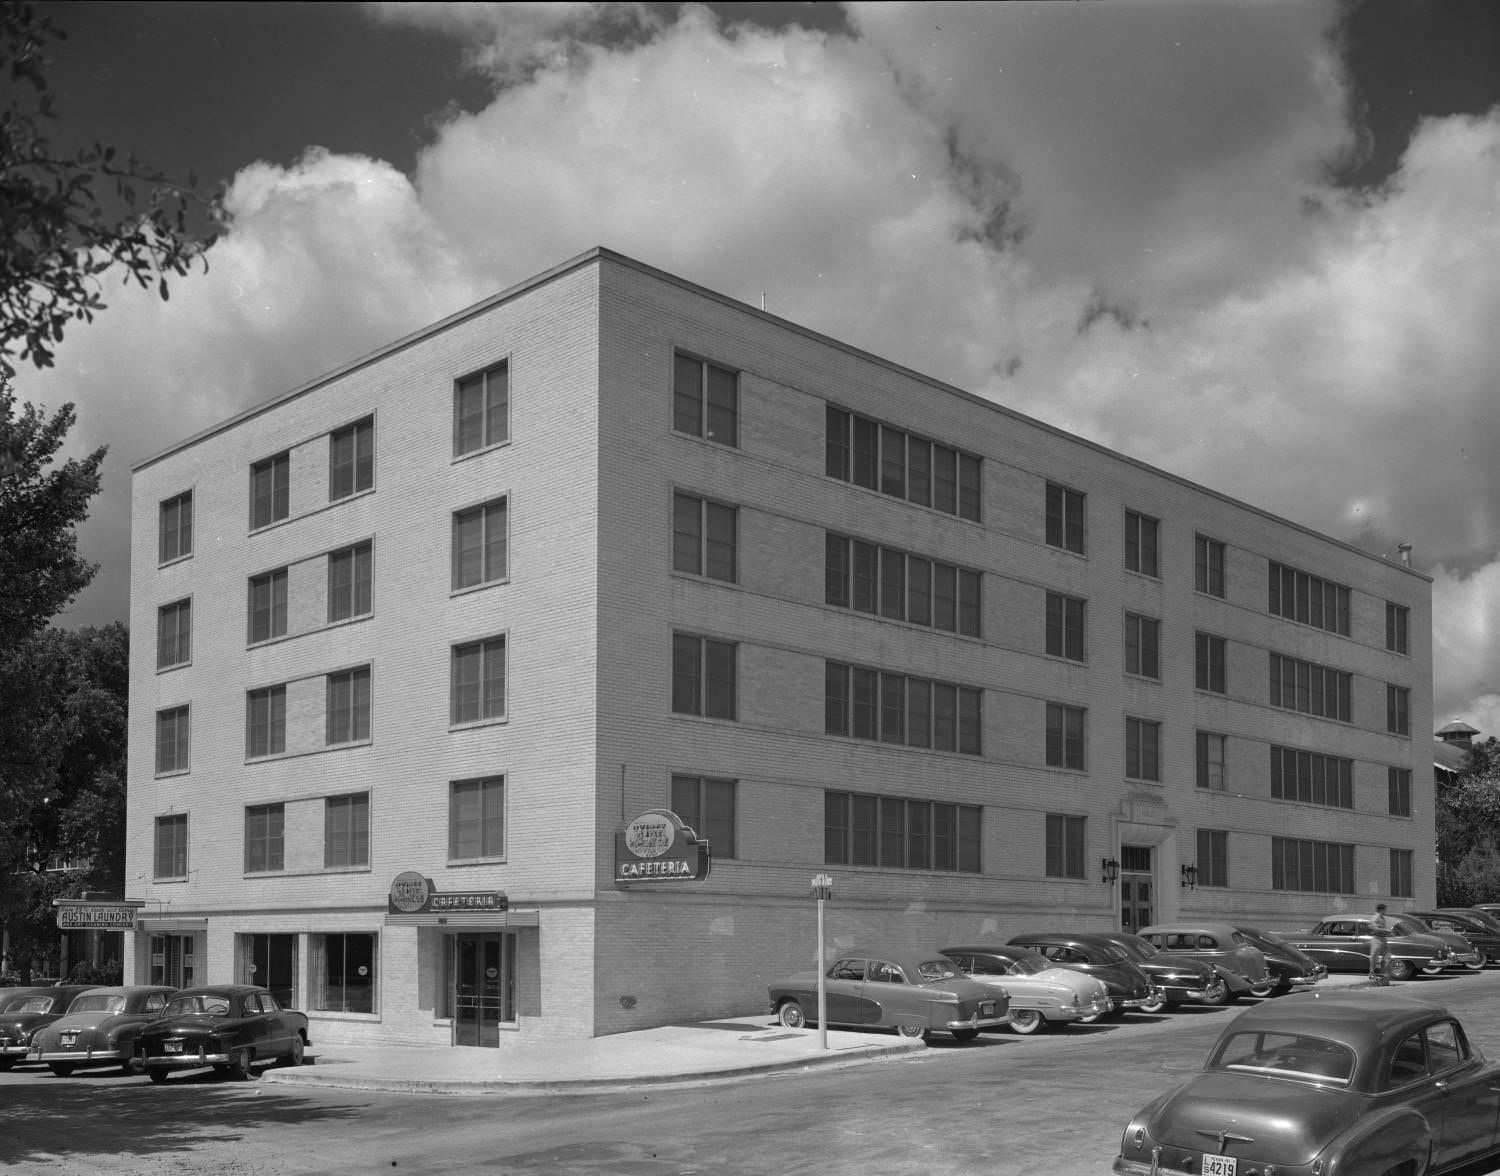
(1380, 950)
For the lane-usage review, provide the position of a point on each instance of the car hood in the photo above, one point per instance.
(1280, 1121)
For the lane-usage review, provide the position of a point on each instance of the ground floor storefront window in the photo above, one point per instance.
(172, 960)
(344, 974)
(271, 962)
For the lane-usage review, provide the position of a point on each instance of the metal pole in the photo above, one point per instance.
(822, 983)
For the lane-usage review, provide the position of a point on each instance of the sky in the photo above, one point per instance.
(1254, 243)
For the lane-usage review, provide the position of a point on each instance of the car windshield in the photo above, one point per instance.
(1028, 965)
(1138, 949)
(30, 1004)
(99, 1002)
(209, 1003)
(1285, 1055)
(1112, 954)
(1409, 926)
(937, 969)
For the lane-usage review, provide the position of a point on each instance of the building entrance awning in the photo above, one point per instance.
(168, 923)
(460, 919)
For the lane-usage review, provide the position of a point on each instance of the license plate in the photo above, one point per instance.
(987, 1008)
(68, 1039)
(1218, 1165)
(172, 1047)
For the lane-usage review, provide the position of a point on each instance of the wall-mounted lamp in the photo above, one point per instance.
(1111, 870)
(1190, 877)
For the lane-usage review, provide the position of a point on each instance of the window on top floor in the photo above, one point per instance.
(705, 400)
(1142, 542)
(1308, 599)
(175, 528)
(481, 410)
(1065, 518)
(270, 490)
(1397, 623)
(351, 459)
(903, 465)
(1208, 565)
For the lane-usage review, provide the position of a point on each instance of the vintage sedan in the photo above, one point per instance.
(1289, 967)
(1341, 943)
(915, 993)
(1093, 955)
(1354, 1082)
(99, 1029)
(1483, 940)
(25, 1010)
(230, 1027)
(1242, 965)
(1039, 993)
(1179, 979)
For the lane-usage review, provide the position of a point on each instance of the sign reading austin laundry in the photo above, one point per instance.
(413, 894)
(96, 916)
(658, 847)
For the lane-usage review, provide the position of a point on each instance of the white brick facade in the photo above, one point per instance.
(588, 610)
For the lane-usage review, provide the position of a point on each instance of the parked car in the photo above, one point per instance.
(1490, 908)
(1093, 955)
(1289, 967)
(1489, 919)
(914, 993)
(1236, 959)
(1341, 943)
(230, 1027)
(1357, 1081)
(1483, 940)
(99, 1028)
(25, 1010)
(1039, 993)
(1178, 978)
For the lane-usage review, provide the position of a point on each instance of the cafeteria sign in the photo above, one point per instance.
(658, 847)
(413, 894)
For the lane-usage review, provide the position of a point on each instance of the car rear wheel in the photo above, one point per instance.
(1433, 970)
(61, 1069)
(1479, 966)
(299, 1047)
(158, 1074)
(6, 1064)
(1263, 990)
(1217, 996)
(1157, 1002)
(913, 1030)
(965, 1034)
(239, 1065)
(1402, 970)
(1091, 1018)
(1027, 1021)
(791, 1016)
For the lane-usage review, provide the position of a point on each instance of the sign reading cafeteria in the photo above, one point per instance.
(413, 894)
(658, 847)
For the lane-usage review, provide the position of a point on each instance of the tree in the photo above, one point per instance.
(59, 242)
(1467, 813)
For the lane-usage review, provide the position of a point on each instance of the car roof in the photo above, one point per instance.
(1009, 950)
(904, 957)
(1088, 937)
(228, 989)
(1201, 928)
(1361, 1019)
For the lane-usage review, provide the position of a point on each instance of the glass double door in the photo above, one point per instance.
(484, 981)
(1137, 900)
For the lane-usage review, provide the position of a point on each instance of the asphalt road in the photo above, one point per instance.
(1049, 1105)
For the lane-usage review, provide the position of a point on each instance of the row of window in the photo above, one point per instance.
(1305, 776)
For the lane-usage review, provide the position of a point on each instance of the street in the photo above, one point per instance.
(1050, 1105)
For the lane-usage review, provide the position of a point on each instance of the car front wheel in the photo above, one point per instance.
(791, 1016)
(1027, 1021)
(1157, 1002)
(965, 1034)
(239, 1065)
(1263, 990)
(1479, 965)
(913, 1030)
(1402, 970)
(158, 1074)
(299, 1047)
(61, 1069)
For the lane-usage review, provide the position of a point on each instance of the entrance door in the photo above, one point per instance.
(482, 986)
(1136, 901)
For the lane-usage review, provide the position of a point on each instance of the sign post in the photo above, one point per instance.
(822, 888)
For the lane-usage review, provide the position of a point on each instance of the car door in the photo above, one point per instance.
(844, 992)
(887, 993)
(267, 1025)
(1453, 1089)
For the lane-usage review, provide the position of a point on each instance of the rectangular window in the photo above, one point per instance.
(1211, 761)
(479, 544)
(704, 538)
(267, 606)
(1401, 886)
(1213, 857)
(346, 831)
(1064, 736)
(476, 819)
(343, 979)
(172, 740)
(351, 459)
(1309, 688)
(270, 490)
(903, 587)
(1142, 749)
(1210, 659)
(860, 830)
(881, 457)
(347, 706)
(706, 806)
(1308, 599)
(351, 584)
(1142, 646)
(174, 634)
(477, 687)
(1064, 518)
(1398, 710)
(1064, 846)
(265, 722)
(1315, 866)
(1398, 788)
(894, 708)
(481, 410)
(171, 848)
(175, 528)
(264, 838)
(1141, 542)
(706, 400)
(703, 676)
(1312, 778)
(1208, 565)
(1397, 621)
(1065, 626)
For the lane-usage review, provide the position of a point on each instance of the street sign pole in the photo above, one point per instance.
(822, 888)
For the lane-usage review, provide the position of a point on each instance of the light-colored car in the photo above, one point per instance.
(1241, 964)
(1039, 993)
(914, 993)
(99, 1028)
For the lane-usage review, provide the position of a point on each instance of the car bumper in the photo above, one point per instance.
(1094, 1008)
(80, 1055)
(18, 1052)
(182, 1061)
(977, 1022)
(1133, 1002)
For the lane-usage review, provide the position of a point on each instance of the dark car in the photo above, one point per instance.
(1289, 967)
(1242, 965)
(230, 1027)
(99, 1028)
(1178, 978)
(25, 1010)
(1093, 955)
(914, 993)
(1357, 1081)
(1484, 939)
(1342, 944)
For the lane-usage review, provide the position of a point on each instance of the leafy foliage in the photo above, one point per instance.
(1468, 831)
(58, 241)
